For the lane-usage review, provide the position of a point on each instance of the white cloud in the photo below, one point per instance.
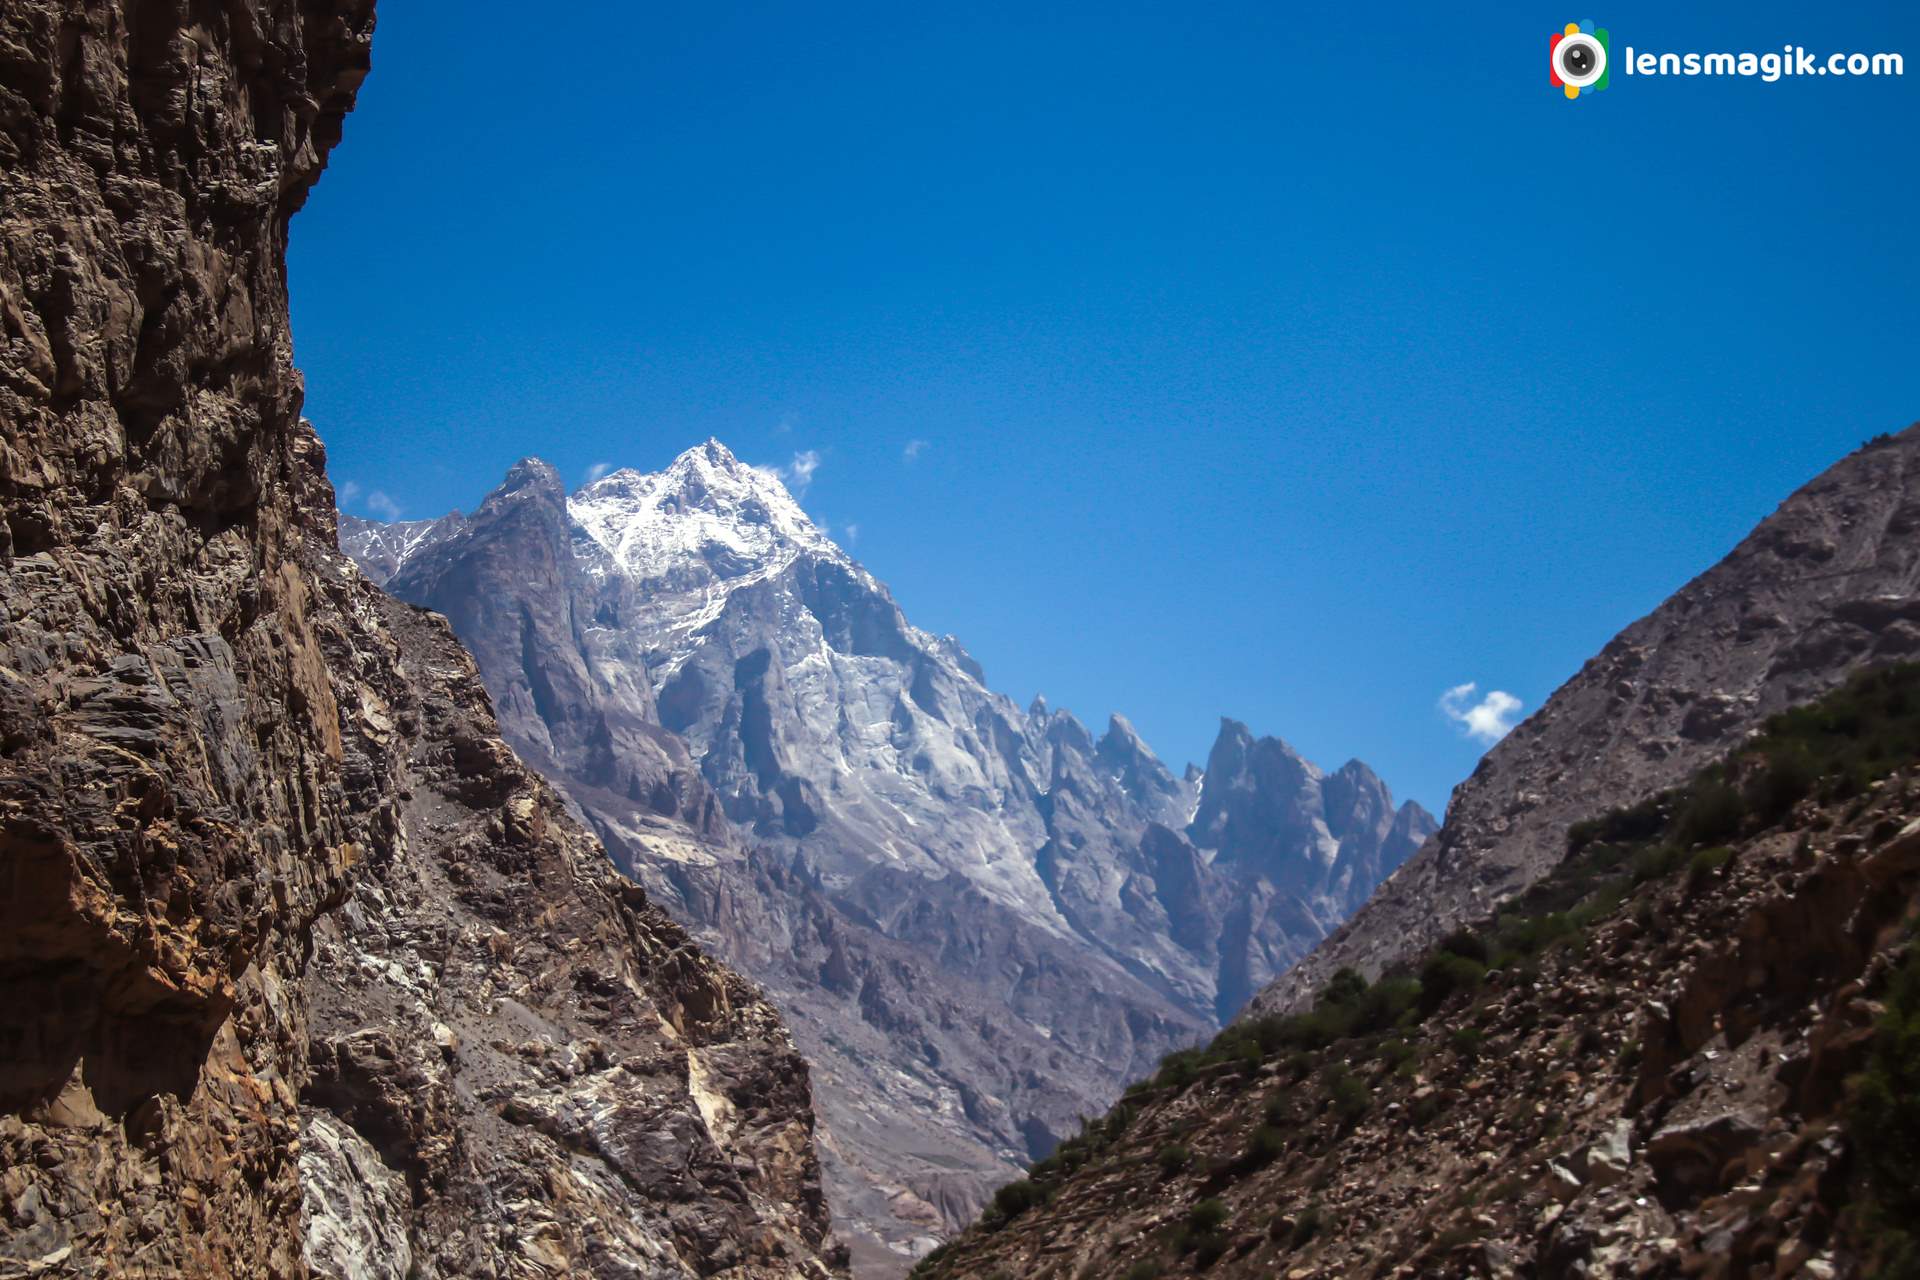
(597, 470)
(798, 474)
(383, 506)
(853, 535)
(348, 492)
(1488, 720)
(913, 450)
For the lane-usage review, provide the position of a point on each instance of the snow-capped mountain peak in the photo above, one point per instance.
(708, 515)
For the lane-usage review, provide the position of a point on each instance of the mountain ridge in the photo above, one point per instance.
(954, 881)
(1825, 583)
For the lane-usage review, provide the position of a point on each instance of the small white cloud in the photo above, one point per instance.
(784, 427)
(853, 534)
(1488, 720)
(383, 506)
(913, 450)
(597, 470)
(348, 492)
(798, 474)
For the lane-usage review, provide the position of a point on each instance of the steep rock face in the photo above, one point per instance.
(981, 920)
(1828, 582)
(227, 768)
(170, 817)
(505, 1038)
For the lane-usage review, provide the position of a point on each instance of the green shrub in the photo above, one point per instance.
(1861, 731)
(927, 1265)
(1714, 813)
(1658, 862)
(1173, 1158)
(1178, 1070)
(1265, 1146)
(1147, 1270)
(1883, 1120)
(1445, 974)
(1385, 1004)
(1521, 936)
(1305, 1227)
(1326, 1024)
(1208, 1248)
(1600, 904)
(1016, 1198)
(1270, 1033)
(1464, 942)
(1346, 1093)
(1628, 826)
(1706, 863)
(1395, 1053)
(1209, 1215)
(1345, 987)
(1467, 1042)
(1789, 777)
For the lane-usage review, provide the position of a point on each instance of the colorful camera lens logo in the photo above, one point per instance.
(1577, 58)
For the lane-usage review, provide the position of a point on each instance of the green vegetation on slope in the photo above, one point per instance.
(1883, 1120)
(1830, 750)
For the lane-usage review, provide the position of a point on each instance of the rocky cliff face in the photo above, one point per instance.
(1827, 583)
(980, 919)
(516, 1062)
(300, 971)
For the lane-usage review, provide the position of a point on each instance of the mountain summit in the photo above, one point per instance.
(707, 517)
(981, 920)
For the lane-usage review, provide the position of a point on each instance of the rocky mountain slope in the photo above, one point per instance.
(380, 548)
(1686, 1051)
(516, 1059)
(980, 919)
(1828, 582)
(301, 972)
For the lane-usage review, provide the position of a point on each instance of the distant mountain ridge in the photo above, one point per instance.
(981, 920)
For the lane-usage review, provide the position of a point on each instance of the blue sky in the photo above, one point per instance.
(1297, 367)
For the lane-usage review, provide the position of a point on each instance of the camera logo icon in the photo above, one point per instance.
(1577, 59)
